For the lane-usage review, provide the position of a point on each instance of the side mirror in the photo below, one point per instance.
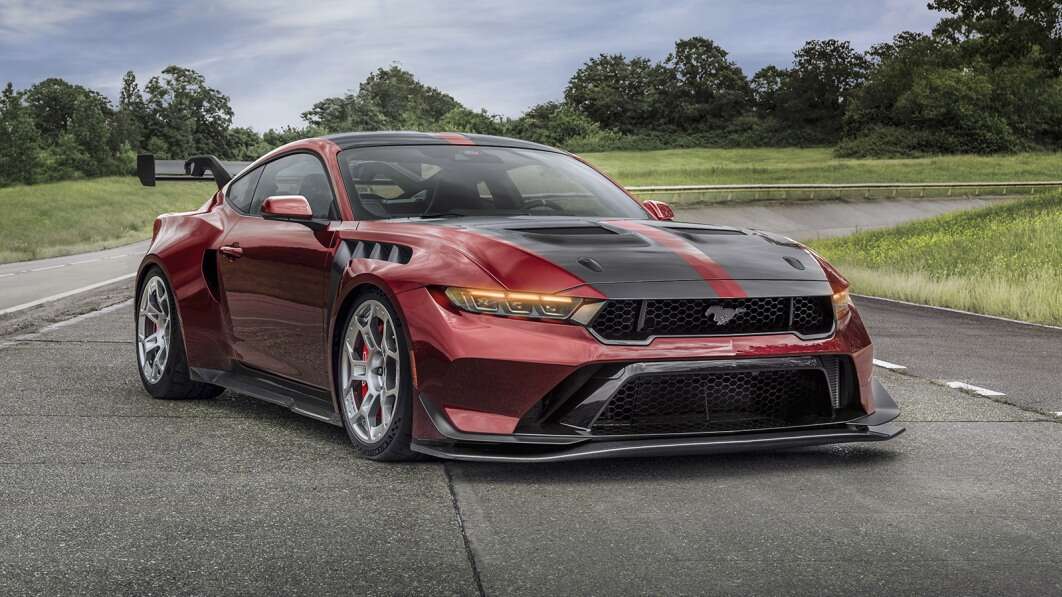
(287, 207)
(659, 210)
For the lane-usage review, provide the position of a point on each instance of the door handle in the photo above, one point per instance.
(232, 251)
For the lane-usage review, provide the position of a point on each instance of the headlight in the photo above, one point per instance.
(842, 305)
(514, 304)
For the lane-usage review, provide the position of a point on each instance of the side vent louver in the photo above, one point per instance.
(381, 252)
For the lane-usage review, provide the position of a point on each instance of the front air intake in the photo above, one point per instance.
(642, 320)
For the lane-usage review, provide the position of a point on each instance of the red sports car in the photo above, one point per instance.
(483, 298)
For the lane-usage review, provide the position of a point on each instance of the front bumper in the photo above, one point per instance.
(518, 447)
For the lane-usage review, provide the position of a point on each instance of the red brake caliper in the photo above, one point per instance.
(365, 359)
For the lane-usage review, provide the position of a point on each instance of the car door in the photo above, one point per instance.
(275, 275)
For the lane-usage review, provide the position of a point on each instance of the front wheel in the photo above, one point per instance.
(159, 347)
(374, 381)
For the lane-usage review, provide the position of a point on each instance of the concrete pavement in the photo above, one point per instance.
(106, 491)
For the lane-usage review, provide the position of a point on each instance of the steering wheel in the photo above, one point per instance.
(531, 204)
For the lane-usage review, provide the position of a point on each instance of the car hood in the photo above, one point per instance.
(638, 258)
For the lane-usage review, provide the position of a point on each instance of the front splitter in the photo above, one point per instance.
(669, 447)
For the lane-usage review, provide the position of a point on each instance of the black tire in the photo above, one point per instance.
(394, 445)
(175, 382)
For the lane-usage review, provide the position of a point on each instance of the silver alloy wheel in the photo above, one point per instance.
(153, 329)
(370, 371)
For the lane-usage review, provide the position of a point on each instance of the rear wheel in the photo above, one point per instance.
(159, 346)
(374, 381)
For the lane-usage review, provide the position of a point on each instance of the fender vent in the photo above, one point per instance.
(210, 272)
(381, 252)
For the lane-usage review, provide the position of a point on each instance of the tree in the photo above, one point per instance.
(185, 116)
(463, 120)
(552, 123)
(618, 93)
(77, 119)
(707, 90)
(767, 85)
(132, 116)
(245, 144)
(389, 98)
(21, 141)
(1003, 31)
(824, 77)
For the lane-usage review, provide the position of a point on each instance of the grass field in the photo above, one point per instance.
(1004, 260)
(83, 215)
(814, 165)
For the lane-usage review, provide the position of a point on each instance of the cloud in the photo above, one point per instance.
(276, 57)
(24, 19)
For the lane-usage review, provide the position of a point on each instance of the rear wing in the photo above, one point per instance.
(196, 168)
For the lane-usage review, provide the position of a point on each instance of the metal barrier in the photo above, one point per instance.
(867, 190)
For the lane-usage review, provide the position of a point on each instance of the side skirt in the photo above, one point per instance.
(303, 399)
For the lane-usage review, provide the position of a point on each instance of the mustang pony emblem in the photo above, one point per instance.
(722, 315)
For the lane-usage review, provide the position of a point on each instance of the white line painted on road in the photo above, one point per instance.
(1058, 414)
(63, 295)
(62, 324)
(959, 311)
(44, 269)
(958, 385)
(888, 365)
(5, 275)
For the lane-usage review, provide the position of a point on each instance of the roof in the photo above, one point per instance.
(378, 138)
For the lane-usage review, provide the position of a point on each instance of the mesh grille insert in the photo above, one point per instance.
(705, 402)
(633, 320)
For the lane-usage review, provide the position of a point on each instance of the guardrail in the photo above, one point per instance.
(840, 190)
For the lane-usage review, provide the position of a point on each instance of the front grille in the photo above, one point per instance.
(639, 320)
(725, 401)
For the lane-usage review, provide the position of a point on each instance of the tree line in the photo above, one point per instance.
(987, 79)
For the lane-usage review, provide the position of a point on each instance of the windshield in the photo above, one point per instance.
(454, 180)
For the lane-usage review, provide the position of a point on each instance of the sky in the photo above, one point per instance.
(275, 58)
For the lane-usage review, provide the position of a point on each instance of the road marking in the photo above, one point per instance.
(65, 323)
(44, 269)
(888, 365)
(958, 385)
(6, 275)
(63, 295)
(1058, 414)
(83, 261)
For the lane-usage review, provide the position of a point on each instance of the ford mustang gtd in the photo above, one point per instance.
(482, 298)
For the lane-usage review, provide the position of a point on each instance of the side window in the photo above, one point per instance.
(242, 190)
(298, 174)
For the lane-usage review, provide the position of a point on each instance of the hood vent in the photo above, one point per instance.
(706, 231)
(566, 231)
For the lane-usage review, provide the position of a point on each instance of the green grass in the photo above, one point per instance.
(62, 218)
(1004, 260)
(814, 165)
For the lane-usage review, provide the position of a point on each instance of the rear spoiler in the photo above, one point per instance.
(195, 168)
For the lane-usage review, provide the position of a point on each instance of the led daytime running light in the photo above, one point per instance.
(515, 304)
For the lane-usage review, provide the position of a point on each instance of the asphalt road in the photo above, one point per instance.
(27, 282)
(104, 490)
(1024, 362)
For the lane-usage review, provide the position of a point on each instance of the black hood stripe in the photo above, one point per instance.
(714, 274)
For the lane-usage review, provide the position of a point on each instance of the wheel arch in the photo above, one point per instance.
(351, 291)
(152, 261)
